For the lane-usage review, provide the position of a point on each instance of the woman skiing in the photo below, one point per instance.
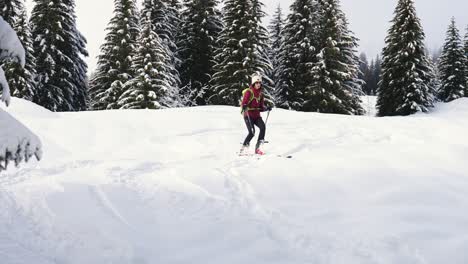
(252, 104)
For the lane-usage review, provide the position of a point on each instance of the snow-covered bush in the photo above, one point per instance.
(17, 143)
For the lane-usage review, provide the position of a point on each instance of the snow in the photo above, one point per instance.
(16, 140)
(166, 186)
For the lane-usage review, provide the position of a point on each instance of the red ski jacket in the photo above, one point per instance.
(255, 103)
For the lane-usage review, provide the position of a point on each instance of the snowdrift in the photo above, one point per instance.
(166, 186)
(17, 143)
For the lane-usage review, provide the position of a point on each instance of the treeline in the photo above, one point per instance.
(204, 56)
(166, 54)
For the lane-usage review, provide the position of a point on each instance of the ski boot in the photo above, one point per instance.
(244, 151)
(258, 151)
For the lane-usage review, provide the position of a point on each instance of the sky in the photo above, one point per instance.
(369, 19)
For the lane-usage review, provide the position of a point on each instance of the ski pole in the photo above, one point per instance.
(266, 122)
(250, 123)
(268, 115)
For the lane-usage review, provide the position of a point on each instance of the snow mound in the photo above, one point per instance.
(167, 186)
(454, 108)
(25, 108)
(17, 143)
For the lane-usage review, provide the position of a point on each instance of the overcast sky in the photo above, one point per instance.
(369, 19)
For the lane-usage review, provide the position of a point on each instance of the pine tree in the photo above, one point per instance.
(148, 90)
(370, 80)
(336, 88)
(9, 10)
(297, 53)
(172, 15)
(166, 18)
(364, 72)
(452, 66)
(114, 67)
(276, 41)
(403, 88)
(58, 49)
(376, 74)
(466, 65)
(21, 80)
(262, 45)
(197, 44)
(435, 75)
(76, 50)
(241, 52)
(175, 19)
(348, 46)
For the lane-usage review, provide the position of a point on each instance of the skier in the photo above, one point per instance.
(252, 104)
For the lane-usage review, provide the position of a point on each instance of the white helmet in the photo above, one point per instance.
(256, 78)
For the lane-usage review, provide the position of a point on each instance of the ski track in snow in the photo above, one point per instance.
(181, 195)
(300, 241)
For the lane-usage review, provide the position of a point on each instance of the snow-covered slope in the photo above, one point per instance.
(146, 187)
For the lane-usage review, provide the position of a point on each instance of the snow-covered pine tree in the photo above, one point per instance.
(466, 65)
(148, 89)
(466, 41)
(435, 80)
(262, 45)
(58, 47)
(276, 41)
(364, 72)
(175, 8)
(348, 50)
(297, 53)
(403, 88)
(241, 52)
(376, 73)
(336, 88)
(166, 18)
(172, 17)
(370, 81)
(114, 67)
(21, 80)
(197, 42)
(452, 66)
(9, 10)
(76, 50)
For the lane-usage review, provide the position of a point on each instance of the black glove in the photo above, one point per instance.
(269, 108)
(244, 108)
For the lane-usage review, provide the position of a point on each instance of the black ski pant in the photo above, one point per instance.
(251, 123)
